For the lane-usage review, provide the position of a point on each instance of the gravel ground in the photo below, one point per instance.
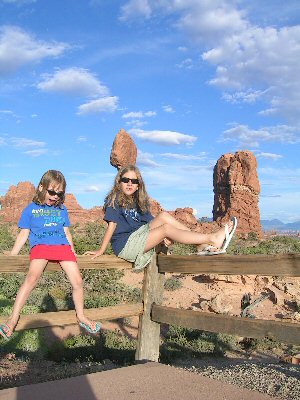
(280, 380)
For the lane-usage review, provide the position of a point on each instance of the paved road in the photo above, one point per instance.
(149, 381)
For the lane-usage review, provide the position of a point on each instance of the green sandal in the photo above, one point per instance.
(6, 331)
(95, 328)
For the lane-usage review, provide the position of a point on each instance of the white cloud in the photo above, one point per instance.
(81, 139)
(139, 114)
(184, 157)
(253, 62)
(105, 104)
(168, 109)
(73, 81)
(24, 142)
(164, 137)
(135, 8)
(252, 137)
(18, 48)
(270, 156)
(35, 153)
(92, 188)
(249, 96)
(186, 64)
(146, 159)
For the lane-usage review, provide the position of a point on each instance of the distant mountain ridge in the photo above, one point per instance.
(276, 224)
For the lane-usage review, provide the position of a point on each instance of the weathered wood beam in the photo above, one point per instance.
(256, 264)
(63, 318)
(10, 264)
(149, 331)
(247, 327)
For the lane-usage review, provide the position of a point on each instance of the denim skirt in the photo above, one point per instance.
(133, 250)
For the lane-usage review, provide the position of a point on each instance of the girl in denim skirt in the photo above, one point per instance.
(134, 232)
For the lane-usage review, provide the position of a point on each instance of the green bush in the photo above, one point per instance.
(183, 342)
(173, 283)
(9, 284)
(89, 238)
(275, 245)
(7, 239)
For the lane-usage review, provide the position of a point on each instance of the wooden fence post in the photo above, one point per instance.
(149, 332)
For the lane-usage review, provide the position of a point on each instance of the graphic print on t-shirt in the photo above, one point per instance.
(51, 217)
(132, 213)
(46, 224)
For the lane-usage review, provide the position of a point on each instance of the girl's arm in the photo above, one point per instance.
(20, 241)
(69, 237)
(106, 239)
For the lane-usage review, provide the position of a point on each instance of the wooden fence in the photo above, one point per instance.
(152, 313)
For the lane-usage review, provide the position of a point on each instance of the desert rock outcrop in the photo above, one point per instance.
(15, 200)
(18, 197)
(123, 150)
(236, 188)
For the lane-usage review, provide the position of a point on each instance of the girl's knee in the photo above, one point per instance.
(164, 216)
(31, 280)
(77, 283)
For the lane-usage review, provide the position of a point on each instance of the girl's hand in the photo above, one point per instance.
(167, 242)
(95, 254)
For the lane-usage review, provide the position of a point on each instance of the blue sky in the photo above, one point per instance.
(190, 80)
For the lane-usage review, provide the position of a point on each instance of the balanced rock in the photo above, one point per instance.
(236, 188)
(123, 151)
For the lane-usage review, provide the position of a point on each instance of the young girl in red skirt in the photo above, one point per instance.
(45, 221)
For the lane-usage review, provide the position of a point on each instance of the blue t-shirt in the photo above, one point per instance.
(46, 224)
(128, 221)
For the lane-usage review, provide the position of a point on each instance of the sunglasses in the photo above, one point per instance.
(126, 180)
(54, 193)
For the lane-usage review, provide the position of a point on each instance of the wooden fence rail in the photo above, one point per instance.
(152, 313)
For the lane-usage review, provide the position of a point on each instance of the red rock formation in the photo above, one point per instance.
(185, 216)
(18, 197)
(15, 200)
(155, 207)
(123, 151)
(237, 188)
(81, 216)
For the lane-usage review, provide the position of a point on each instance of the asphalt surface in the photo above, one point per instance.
(148, 381)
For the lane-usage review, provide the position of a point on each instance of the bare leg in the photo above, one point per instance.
(73, 273)
(156, 235)
(165, 218)
(35, 271)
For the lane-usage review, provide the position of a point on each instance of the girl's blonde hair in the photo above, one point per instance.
(51, 176)
(116, 197)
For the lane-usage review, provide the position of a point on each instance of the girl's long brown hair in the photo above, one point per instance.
(139, 199)
(51, 176)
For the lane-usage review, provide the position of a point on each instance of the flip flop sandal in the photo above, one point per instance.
(6, 331)
(229, 235)
(207, 251)
(89, 328)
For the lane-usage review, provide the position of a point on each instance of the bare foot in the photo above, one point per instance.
(219, 237)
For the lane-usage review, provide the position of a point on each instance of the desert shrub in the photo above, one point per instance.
(89, 238)
(184, 342)
(173, 283)
(10, 283)
(179, 249)
(275, 245)
(6, 238)
(108, 345)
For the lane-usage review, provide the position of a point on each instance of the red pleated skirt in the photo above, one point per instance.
(52, 253)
